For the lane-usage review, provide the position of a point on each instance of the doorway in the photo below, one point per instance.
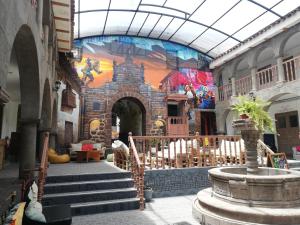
(208, 123)
(287, 128)
(128, 115)
(68, 133)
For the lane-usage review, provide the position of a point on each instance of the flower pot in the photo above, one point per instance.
(148, 194)
(244, 116)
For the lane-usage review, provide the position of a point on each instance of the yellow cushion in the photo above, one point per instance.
(19, 214)
(65, 158)
(51, 151)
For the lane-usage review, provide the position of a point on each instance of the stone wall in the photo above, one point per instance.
(127, 82)
(174, 182)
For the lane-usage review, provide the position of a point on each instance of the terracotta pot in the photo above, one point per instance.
(244, 116)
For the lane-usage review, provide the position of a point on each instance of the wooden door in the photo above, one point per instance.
(68, 133)
(287, 127)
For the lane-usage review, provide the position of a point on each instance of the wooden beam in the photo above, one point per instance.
(61, 18)
(60, 4)
(64, 49)
(61, 40)
(63, 31)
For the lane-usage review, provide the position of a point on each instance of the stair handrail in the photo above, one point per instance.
(263, 150)
(43, 167)
(137, 171)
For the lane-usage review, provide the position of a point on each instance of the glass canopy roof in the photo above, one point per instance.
(209, 26)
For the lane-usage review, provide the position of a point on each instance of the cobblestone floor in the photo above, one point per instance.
(161, 211)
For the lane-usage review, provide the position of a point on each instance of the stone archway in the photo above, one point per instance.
(122, 95)
(25, 52)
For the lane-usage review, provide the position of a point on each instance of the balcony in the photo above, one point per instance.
(68, 99)
(264, 79)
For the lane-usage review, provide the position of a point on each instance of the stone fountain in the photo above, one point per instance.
(249, 195)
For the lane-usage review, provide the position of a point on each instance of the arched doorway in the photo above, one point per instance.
(128, 115)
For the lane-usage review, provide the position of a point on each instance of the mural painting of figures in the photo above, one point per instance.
(162, 62)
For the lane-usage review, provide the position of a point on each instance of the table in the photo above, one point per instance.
(86, 155)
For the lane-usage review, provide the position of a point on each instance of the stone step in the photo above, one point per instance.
(104, 206)
(87, 177)
(88, 196)
(293, 163)
(90, 185)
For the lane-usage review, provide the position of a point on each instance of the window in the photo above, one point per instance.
(293, 120)
(96, 106)
(281, 122)
(173, 110)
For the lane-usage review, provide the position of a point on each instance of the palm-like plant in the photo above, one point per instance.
(255, 110)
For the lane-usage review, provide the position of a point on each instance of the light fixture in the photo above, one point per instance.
(56, 85)
(252, 95)
(77, 54)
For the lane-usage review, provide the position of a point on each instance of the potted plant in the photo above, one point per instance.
(255, 111)
(148, 193)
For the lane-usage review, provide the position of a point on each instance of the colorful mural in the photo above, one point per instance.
(165, 63)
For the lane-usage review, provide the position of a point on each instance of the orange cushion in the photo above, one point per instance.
(87, 147)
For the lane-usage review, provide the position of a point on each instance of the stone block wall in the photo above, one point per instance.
(175, 182)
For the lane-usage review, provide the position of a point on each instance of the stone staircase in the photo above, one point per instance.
(92, 193)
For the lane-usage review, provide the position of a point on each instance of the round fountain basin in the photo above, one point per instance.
(270, 187)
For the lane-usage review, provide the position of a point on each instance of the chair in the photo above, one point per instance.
(296, 152)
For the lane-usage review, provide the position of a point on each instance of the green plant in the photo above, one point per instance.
(255, 110)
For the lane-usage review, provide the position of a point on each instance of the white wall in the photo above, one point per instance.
(70, 116)
(10, 114)
(230, 117)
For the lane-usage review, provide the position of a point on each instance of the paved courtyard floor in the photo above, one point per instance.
(160, 211)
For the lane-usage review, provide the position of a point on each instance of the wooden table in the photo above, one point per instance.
(86, 155)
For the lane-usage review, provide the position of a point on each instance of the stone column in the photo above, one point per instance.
(233, 86)
(280, 70)
(28, 146)
(40, 16)
(250, 136)
(253, 79)
(52, 139)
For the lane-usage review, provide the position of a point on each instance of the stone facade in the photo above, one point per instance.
(127, 82)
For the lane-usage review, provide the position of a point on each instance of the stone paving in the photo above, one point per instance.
(74, 168)
(161, 211)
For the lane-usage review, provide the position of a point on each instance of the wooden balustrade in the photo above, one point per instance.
(177, 125)
(225, 92)
(137, 170)
(267, 77)
(43, 167)
(243, 85)
(162, 152)
(290, 68)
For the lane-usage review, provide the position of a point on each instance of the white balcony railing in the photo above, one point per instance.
(243, 86)
(267, 77)
(291, 67)
(225, 92)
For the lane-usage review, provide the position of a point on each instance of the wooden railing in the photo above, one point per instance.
(290, 68)
(243, 85)
(262, 151)
(43, 167)
(225, 92)
(267, 77)
(163, 152)
(177, 125)
(137, 171)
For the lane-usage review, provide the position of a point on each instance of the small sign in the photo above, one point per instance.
(277, 160)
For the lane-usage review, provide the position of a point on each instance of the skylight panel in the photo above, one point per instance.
(267, 3)
(286, 6)
(224, 46)
(160, 26)
(88, 27)
(176, 23)
(187, 6)
(159, 9)
(124, 4)
(211, 10)
(154, 2)
(76, 26)
(209, 39)
(118, 22)
(137, 23)
(238, 17)
(149, 24)
(76, 5)
(188, 32)
(93, 4)
(256, 25)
